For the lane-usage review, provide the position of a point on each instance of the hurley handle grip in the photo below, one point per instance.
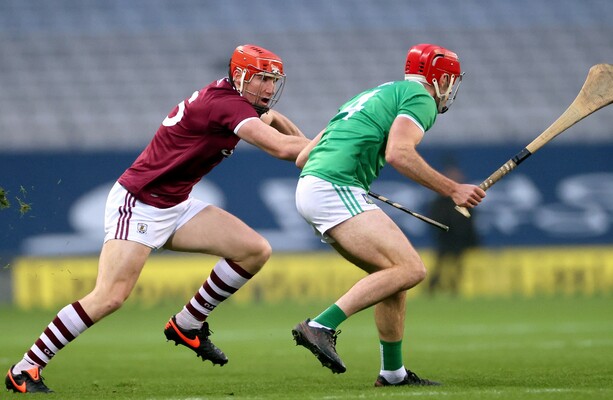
(497, 175)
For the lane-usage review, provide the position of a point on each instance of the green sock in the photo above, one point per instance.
(331, 317)
(391, 355)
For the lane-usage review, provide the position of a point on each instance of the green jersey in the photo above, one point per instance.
(351, 151)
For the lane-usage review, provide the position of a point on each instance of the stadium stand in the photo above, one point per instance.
(88, 75)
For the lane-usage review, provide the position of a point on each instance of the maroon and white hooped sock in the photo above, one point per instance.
(225, 279)
(69, 323)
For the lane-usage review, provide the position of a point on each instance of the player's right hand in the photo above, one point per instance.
(467, 195)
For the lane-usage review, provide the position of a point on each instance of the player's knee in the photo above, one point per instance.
(412, 275)
(259, 251)
(420, 273)
(264, 252)
(112, 303)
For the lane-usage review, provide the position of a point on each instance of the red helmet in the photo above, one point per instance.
(428, 63)
(253, 60)
(432, 61)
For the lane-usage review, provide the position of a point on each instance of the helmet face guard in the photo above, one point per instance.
(256, 62)
(429, 63)
(446, 99)
(279, 82)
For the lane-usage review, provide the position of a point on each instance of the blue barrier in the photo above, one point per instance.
(561, 196)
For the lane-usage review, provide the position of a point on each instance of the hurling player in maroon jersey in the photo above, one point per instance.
(150, 207)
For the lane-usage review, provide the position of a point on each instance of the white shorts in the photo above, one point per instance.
(324, 205)
(126, 218)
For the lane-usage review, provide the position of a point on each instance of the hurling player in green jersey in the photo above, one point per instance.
(379, 126)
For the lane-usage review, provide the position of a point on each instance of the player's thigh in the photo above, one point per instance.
(217, 232)
(121, 261)
(373, 241)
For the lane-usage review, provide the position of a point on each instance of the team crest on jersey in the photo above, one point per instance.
(141, 228)
(367, 199)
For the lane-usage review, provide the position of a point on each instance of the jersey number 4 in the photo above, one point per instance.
(356, 105)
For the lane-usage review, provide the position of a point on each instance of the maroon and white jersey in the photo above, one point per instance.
(196, 136)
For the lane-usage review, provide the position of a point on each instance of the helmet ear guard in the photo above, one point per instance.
(429, 63)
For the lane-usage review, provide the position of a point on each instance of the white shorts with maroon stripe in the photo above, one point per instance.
(126, 218)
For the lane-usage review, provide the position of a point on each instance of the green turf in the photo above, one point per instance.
(559, 348)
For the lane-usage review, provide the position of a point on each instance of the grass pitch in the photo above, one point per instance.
(558, 348)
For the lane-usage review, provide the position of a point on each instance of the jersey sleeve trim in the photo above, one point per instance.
(243, 122)
(414, 120)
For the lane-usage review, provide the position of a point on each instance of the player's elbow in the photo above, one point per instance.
(401, 156)
(393, 158)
